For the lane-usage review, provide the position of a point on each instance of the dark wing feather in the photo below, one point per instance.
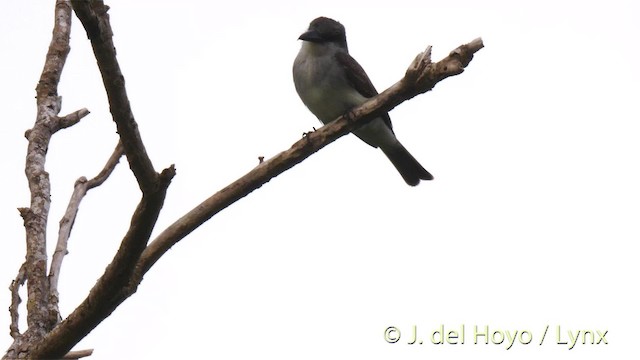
(359, 79)
(356, 75)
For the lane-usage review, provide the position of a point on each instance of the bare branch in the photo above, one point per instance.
(14, 328)
(80, 189)
(94, 18)
(72, 355)
(421, 76)
(39, 319)
(41, 316)
(108, 168)
(72, 119)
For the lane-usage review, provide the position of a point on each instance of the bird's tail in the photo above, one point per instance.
(410, 169)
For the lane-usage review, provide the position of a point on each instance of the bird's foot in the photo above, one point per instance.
(307, 133)
(350, 115)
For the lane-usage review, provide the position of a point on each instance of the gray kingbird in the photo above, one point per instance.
(330, 83)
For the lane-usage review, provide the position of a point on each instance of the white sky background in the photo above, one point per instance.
(532, 219)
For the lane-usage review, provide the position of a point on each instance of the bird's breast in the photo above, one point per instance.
(321, 84)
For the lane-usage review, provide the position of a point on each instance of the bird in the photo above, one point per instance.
(330, 83)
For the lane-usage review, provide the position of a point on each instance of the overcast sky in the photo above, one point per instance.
(531, 221)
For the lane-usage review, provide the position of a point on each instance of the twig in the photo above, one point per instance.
(80, 189)
(72, 119)
(14, 328)
(72, 355)
(108, 168)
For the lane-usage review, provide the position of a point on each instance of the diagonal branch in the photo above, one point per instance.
(421, 76)
(94, 18)
(108, 167)
(80, 189)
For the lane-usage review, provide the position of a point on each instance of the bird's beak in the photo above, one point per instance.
(311, 35)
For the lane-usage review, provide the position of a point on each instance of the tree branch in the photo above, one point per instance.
(35, 217)
(72, 119)
(94, 18)
(421, 76)
(40, 318)
(72, 355)
(80, 189)
(14, 329)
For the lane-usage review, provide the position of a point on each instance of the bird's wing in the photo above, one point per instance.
(356, 75)
(359, 79)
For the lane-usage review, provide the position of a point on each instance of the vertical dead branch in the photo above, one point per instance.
(40, 318)
(14, 328)
(35, 217)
